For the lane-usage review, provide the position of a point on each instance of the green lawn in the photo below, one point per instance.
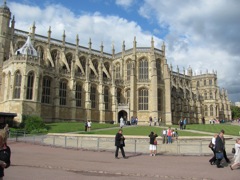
(141, 131)
(111, 129)
(64, 127)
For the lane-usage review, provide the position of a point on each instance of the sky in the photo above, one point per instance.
(201, 34)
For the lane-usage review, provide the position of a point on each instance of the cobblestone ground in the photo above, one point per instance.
(33, 162)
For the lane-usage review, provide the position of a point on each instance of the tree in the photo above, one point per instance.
(235, 112)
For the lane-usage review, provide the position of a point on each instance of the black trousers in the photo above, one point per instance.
(213, 159)
(122, 151)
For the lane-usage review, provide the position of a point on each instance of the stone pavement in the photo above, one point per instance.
(33, 162)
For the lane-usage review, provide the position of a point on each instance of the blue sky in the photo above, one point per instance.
(202, 34)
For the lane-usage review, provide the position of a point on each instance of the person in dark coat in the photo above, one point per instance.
(219, 148)
(119, 143)
(5, 153)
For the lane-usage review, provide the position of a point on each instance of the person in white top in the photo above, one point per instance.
(89, 123)
(236, 155)
(212, 147)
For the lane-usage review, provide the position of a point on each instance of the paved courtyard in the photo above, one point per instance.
(33, 162)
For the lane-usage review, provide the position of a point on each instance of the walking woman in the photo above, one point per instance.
(236, 155)
(153, 144)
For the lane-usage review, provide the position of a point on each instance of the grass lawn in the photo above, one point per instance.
(141, 131)
(65, 127)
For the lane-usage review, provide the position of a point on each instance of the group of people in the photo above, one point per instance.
(88, 125)
(154, 121)
(168, 134)
(217, 145)
(182, 123)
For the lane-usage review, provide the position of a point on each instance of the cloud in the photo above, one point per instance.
(100, 28)
(203, 34)
(124, 3)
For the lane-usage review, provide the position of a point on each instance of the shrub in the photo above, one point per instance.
(34, 124)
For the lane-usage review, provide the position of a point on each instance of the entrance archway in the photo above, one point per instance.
(122, 114)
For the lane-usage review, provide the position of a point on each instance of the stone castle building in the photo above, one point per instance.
(58, 81)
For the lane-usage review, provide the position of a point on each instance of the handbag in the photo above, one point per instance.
(155, 142)
(219, 155)
(233, 150)
(210, 144)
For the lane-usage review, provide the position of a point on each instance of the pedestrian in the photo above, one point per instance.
(155, 121)
(153, 143)
(184, 123)
(236, 157)
(150, 120)
(169, 135)
(5, 153)
(86, 125)
(121, 122)
(219, 147)
(89, 124)
(164, 136)
(7, 130)
(212, 147)
(119, 143)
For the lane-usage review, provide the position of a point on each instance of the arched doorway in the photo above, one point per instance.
(122, 114)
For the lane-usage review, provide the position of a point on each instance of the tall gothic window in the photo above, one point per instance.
(129, 67)
(63, 93)
(17, 85)
(93, 96)
(205, 82)
(205, 95)
(158, 66)
(205, 110)
(30, 81)
(119, 95)
(118, 71)
(211, 110)
(128, 95)
(46, 90)
(143, 99)
(159, 100)
(198, 84)
(78, 95)
(106, 98)
(143, 69)
(210, 82)
(211, 95)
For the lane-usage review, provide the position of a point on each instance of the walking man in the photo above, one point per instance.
(119, 143)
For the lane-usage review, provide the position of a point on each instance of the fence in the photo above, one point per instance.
(182, 146)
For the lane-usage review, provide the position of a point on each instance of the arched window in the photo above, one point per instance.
(117, 71)
(30, 81)
(143, 69)
(198, 84)
(211, 110)
(210, 82)
(17, 85)
(205, 94)
(78, 95)
(158, 66)
(129, 67)
(46, 90)
(159, 100)
(119, 95)
(63, 93)
(93, 96)
(143, 99)
(128, 95)
(211, 95)
(205, 82)
(106, 98)
(83, 63)
(205, 110)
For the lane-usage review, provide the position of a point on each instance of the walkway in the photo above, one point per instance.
(33, 162)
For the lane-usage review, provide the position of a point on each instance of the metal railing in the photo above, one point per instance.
(187, 146)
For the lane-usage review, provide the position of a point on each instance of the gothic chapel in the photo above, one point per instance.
(60, 81)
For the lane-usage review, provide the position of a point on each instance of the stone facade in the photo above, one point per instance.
(70, 82)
